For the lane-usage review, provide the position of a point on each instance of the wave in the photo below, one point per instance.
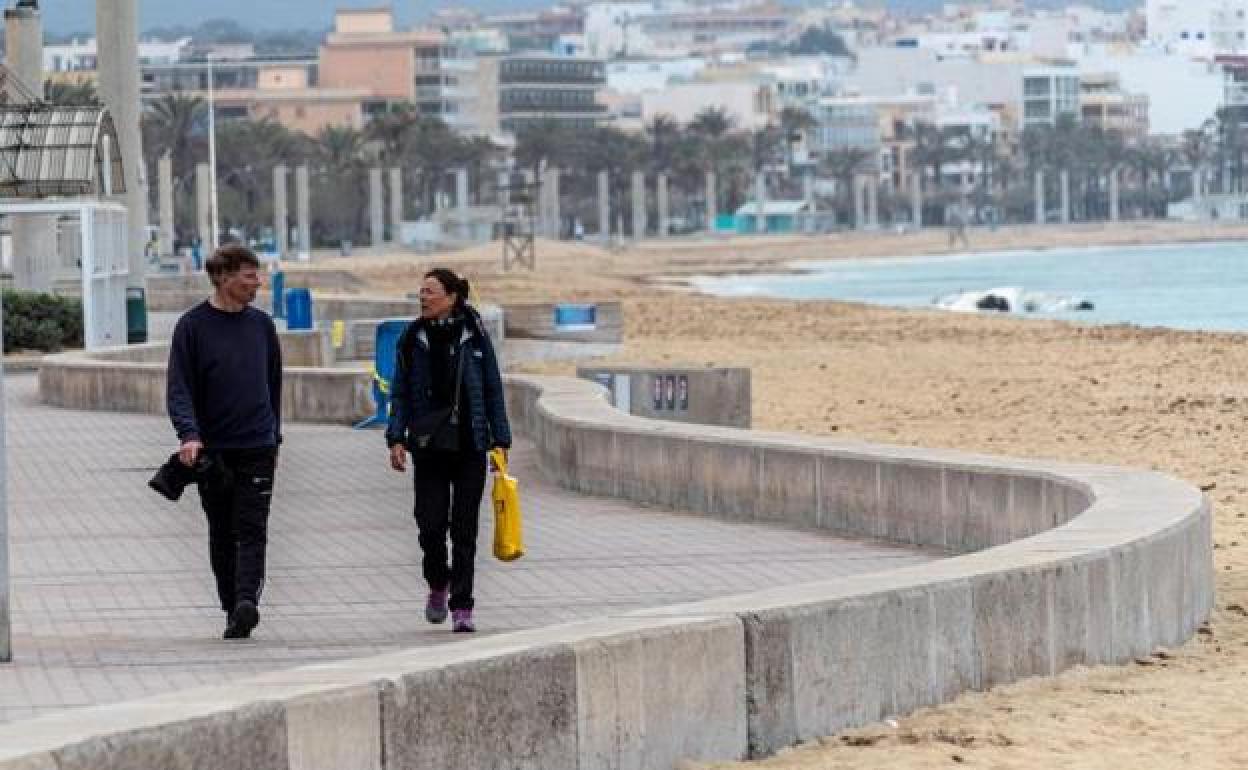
(1012, 299)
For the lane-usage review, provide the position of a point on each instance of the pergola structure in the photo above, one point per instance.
(63, 161)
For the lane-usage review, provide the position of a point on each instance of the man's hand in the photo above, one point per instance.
(189, 451)
(398, 457)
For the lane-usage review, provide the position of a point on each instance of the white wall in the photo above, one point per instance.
(684, 101)
(1182, 93)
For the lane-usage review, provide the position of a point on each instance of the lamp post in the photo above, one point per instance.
(212, 156)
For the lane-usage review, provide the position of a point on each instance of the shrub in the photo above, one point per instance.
(46, 322)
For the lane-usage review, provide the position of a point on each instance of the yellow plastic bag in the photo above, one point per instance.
(508, 538)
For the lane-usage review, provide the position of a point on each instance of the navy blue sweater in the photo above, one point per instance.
(225, 378)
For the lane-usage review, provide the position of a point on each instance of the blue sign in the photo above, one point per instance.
(576, 318)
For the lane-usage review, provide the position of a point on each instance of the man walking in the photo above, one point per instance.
(224, 398)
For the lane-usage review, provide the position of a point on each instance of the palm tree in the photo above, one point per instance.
(663, 133)
(844, 165)
(394, 129)
(175, 124)
(934, 148)
(711, 123)
(1198, 151)
(433, 149)
(247, 151)
(341, 195)
(1231, 142)
(78, 94)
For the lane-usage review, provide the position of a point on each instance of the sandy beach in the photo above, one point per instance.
(1172, 401)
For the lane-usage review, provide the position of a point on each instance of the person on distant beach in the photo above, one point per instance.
(957, 229)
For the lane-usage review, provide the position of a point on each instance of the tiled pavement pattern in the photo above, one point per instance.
(113, 598)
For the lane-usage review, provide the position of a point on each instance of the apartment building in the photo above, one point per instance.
(421, 67)
(1048, 94)
(1104, 102)
(1200, 28)
(524, 90)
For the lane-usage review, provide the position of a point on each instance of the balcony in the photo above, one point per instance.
(443, 93)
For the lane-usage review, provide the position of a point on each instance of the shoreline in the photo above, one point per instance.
(1169, 400)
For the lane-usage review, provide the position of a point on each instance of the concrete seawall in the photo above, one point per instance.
(1061, 565)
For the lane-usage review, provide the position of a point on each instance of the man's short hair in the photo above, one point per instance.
(228, 260)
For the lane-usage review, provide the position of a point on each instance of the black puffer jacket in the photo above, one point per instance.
(412, 389)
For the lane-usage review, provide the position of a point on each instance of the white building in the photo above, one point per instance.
(965, 80)
(1048, 94)
(615, 29)
(1199, 28)
(749, 104)
(80, 55)
(635, 76)
(1182, 92)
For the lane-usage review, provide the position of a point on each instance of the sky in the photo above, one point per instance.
(68, 16)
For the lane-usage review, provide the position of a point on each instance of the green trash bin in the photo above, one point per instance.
(136, 315)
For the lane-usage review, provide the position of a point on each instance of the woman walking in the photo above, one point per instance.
(447, 410)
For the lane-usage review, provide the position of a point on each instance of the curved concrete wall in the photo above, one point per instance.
(1111, 563)
(132, 379)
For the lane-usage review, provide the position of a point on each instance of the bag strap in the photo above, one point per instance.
(459, 381)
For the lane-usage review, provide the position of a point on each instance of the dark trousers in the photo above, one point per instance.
(238, 523)
(448, 487)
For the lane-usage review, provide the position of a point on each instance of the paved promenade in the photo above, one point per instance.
(114, 600)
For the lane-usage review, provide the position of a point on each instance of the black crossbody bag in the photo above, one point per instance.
(438, 431)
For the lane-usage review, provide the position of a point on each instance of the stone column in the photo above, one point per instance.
(303, 205)
(860, 205)
(461, 189)
(661, 193)
(916, 200)
(604, 206)
(396, 204)
(117, 65)
(203, 209)
(281, 211)
(554, 215)
(1039, 197)
(6, 648)
(168, 231)
(504, 189)
(34, 235)
(712, 203)
(1065, 196)
(1114, 213)
(873, 201)
(376, 209)
(760, 201)
(639, 205)
(808, 195)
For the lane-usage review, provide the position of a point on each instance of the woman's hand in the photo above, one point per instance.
(494, 465)
(398, 457)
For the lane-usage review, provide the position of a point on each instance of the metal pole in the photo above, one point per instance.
(212, 160)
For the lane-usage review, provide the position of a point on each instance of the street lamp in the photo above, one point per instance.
(212, 155)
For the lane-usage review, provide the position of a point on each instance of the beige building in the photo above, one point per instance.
(1103, 102)
(365, 51)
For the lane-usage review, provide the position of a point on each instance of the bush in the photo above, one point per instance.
(44, 322)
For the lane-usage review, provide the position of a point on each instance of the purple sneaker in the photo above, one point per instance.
(435, 607)
(462, 622)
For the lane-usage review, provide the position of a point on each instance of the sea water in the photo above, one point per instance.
(1184, 286)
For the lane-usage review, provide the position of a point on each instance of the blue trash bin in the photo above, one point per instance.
(278, 279)
(385, 353)
(298, 309)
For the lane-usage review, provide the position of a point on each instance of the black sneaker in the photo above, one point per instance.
(244, 618)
